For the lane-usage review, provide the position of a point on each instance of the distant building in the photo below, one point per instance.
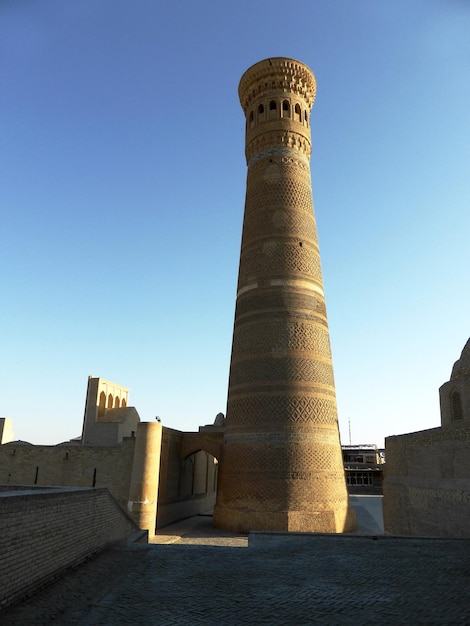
(6, 430)
(157, 474)
(363, 466)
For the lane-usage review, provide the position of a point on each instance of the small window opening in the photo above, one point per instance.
(272, 109)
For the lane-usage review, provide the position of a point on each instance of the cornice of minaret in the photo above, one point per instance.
(274, 74)
(277, 95)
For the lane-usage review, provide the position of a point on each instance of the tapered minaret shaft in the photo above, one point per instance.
(281, 466)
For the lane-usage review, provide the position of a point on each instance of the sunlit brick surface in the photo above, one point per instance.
(281, 467)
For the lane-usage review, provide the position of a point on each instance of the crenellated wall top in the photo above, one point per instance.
(277, 74)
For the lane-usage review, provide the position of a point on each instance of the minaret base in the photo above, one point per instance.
(322, 521)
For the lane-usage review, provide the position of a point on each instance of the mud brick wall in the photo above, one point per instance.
(69, 466)
(43, 533)
(427, 483)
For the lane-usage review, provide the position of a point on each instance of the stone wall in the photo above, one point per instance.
(43, 533)
(427, 483)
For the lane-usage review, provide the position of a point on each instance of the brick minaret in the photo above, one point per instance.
(281, 466)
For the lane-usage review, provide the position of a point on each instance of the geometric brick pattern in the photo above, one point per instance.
(320, 458)
(279, 258)
(281, 466)
(266, 411)
(281, 369)
(283, 220)
(284, 193)
(289, 335)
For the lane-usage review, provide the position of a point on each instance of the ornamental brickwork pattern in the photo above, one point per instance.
(280, 370)
(290, 335)
(279, 258)
(267, 411)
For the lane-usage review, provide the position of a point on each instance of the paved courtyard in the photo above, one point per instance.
(194, 574)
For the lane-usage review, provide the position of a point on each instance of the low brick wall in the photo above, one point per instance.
(427, 483)
(69, 466)
(45, 532)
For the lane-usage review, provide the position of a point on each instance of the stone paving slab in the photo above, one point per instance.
(276, 579)
(198, 530)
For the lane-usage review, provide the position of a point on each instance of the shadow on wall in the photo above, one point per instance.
(36, 541)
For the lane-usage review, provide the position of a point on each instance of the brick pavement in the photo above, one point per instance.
(194, 574)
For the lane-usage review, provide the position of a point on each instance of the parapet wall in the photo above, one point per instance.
(427, 483)
(44, 533)
(69, 466)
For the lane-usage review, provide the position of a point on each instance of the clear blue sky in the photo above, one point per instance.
(122, 188)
